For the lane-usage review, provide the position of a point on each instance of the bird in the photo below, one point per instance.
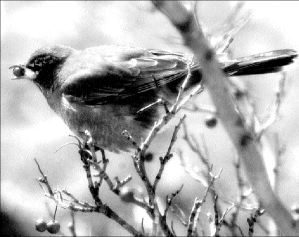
(102, 89)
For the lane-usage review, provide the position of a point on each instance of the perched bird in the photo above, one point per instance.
(100, 89)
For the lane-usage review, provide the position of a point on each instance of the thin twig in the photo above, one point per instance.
(219, 218)
(193, 218)
(44, 178)
(178, 212)
(241, 197)
(195, 147)
(275, 109)
(105, 162)
(76, 205)
(165, 159)
(252, 220)
(169, 200)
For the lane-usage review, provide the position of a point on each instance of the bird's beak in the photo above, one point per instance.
(21, 72)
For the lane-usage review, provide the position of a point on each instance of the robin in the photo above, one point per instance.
(101, 89)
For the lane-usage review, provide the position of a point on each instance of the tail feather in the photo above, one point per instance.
(260, 63)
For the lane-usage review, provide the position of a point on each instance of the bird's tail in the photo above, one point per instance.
(261, 63)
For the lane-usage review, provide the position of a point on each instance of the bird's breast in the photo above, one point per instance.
(105, 123)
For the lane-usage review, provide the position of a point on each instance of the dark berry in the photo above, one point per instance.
(148, 156)
(53, 226)
(18, 71)
(40, 225)
(211, 122)
(126, 194)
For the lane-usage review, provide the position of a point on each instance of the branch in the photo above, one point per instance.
(138, 157)
(241, 134)
(274, 113)
(252, 220)
(75, 205)
(219, 218)
(169, 200)
(193, 218)
(166, 158)
(242, 196)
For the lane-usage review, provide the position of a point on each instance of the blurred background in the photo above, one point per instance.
(29, 129)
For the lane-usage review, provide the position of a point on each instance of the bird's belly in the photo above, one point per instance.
(105, 123)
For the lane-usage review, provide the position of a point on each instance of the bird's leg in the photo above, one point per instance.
(164, 103)
(85, 155)
(84, 151)
(91, 146)
(105, 162)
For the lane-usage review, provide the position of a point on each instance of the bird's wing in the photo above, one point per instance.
(108, 73)
(103, 75)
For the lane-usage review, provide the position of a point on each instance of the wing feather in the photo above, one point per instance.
(105, 78)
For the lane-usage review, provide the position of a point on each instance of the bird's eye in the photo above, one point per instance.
(35, 66)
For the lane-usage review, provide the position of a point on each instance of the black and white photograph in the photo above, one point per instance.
(149, 118)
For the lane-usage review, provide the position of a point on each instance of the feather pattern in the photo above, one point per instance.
(108, 74)
(108, 77)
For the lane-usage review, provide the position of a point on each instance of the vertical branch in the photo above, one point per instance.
(241, 134)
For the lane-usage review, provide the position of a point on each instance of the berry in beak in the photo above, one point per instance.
(21, 72)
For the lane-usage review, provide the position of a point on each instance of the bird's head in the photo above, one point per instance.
(43, 65)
